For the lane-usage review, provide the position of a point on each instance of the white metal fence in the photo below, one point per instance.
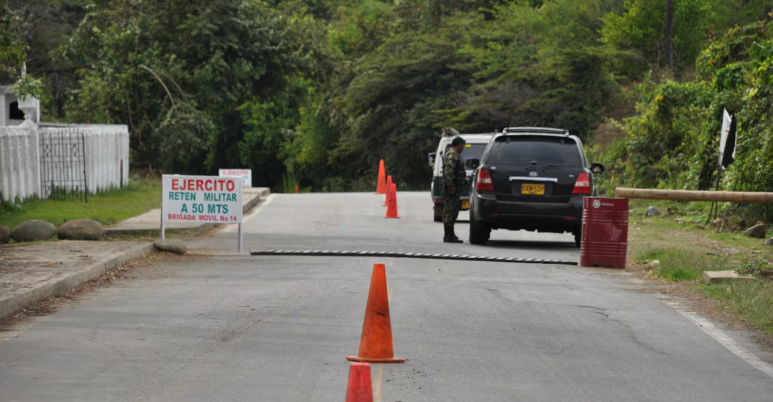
(55, 159)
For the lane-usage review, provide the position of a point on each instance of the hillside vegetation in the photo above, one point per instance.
(315, 92)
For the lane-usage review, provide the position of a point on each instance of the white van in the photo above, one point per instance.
(473, 152)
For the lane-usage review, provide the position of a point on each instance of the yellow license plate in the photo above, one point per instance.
(532, 189)
(465, 205)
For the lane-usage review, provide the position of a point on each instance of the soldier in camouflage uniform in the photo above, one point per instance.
(454, 177)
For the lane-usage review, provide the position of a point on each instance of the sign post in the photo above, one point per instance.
(163, 229)
(727, 144)
(202, 199)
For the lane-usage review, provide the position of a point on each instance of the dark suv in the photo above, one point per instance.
(531, 179)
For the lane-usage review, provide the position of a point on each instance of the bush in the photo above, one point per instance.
(673, 140)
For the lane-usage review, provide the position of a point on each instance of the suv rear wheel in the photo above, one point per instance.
(479, 232)
(577, 238)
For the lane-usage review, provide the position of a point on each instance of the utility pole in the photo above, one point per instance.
(670, 34)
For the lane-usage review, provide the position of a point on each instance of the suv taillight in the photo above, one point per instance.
(582, 185)
(484, 181)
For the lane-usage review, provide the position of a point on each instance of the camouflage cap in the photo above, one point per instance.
(458, 140)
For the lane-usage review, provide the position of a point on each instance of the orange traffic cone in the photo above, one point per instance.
(381, 188)
(388, 190)
(376, 339)
(392, 203)
(296, 189)
(359, 389)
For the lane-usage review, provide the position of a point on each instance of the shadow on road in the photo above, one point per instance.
(526, 244)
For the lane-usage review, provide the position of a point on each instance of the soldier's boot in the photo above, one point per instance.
(450, 236)
(453, 236)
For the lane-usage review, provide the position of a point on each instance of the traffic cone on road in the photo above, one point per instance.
(388, 190)
(296, 189)
(376, 339)
(381, 187)
(360, 385)
(392, 203)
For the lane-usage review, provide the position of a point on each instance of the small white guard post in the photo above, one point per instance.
(202, 199)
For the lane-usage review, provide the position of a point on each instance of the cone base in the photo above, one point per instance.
(391, 217)
(375, 359)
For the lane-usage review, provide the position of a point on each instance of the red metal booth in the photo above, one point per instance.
(604, 232)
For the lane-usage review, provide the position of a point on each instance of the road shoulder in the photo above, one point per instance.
(31, 273)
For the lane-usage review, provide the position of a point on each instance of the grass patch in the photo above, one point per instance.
(107, 207)
(681, 264)
(754, 301)
(686, 248)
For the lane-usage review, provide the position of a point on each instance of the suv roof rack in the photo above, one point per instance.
(535, 130)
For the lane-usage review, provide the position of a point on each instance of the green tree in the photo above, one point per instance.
(394, 99)
(155, 64)
(12, 45)
(46, 25)
(539, 66)
(641, 26)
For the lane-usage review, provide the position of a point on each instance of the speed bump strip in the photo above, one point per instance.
(394, 254)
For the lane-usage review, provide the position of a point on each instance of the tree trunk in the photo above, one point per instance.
(670, 34)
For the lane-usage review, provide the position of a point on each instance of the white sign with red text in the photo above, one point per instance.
(208, 199)
(244, 174)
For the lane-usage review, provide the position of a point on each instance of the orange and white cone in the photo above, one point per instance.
(376, 339)
(392, 203)
(381, 188)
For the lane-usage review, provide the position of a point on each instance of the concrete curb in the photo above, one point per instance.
(12, 304)
(255, 201)
(262, 195)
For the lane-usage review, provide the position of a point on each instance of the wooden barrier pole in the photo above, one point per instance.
(687, 195)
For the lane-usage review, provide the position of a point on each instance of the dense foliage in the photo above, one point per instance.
(12, 45)
(315, 92)
(673, 140)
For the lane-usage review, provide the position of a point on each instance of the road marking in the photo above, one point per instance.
(252, 214)
(721, 337)
(379, 382)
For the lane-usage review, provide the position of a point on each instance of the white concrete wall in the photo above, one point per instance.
(19, 162)
(21, 176)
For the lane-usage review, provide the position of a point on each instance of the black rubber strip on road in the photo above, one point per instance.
(328, 253)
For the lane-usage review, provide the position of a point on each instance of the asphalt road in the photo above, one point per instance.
(279, 328)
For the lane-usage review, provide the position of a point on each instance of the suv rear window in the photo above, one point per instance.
(524, 150)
